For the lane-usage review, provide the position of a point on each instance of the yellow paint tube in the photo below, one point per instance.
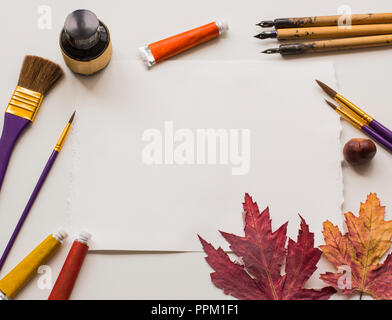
(18, 277)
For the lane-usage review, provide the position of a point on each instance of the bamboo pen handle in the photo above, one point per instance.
(332, 45)
(351, 43)
(369, 18)
(334, 32)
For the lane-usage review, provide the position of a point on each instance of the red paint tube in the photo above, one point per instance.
(69, 273)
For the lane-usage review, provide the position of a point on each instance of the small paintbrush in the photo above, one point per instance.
(37, 77)
(37, 189)
(372, 123)
(360, 124)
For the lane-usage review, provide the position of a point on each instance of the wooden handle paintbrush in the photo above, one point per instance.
(321, 21)
(37, 77)
(370, 121)
(36, 190)
(326, 32)
(332, 45)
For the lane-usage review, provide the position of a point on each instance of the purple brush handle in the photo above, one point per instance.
(381, 130)
(26, 211)
(381, 140)
(13, 127)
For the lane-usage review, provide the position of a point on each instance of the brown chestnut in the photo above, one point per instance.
(359, 151)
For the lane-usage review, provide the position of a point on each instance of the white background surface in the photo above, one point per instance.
(130, 205)
(364, 76)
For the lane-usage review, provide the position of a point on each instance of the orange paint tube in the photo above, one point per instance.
(164, 49)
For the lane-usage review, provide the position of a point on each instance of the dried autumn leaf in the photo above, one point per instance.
(263, 253)
(360, 250)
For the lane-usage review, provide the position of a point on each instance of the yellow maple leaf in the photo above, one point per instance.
(360, 251)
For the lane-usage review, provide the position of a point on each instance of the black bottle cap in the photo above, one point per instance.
(82, 29)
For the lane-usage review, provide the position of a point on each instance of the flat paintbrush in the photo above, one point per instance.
(374, 124)
(360, 124)
(37, 77)
(36, 190)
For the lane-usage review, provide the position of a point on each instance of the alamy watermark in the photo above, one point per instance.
(198, 147)
(345, 281)
(44, 21)
(345, 19)
(45, 281)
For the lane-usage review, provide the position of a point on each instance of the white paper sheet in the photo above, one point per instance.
(130, 204)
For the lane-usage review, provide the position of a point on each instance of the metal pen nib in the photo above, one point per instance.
(270, 51)
(267, 35)
(266, 24)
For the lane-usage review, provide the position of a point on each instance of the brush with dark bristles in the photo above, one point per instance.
(37, 77)
(37, 189)
(372, 123)
(361, 124)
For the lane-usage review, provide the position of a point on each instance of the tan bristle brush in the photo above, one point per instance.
(37, 77)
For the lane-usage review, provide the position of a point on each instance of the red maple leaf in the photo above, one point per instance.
(263, 253)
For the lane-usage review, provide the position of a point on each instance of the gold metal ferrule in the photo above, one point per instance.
(63, 136)
(348, 104)
(25, 103)
(359, 124)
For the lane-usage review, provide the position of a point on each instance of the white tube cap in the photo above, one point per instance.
(60, 235)
(84, 236)
(3, 296)
(147, 56)
(223, 26)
